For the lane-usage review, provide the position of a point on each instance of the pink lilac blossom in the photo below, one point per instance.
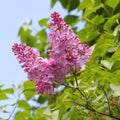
(44, 87)
(26, 56)
(43, 74)
(66, 54)
(66, 48)
(38, 69)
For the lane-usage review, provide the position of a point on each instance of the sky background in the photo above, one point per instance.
(13, 13)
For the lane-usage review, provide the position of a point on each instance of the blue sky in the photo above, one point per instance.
(13, 13)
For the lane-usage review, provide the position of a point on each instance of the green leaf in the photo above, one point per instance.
(89, 11)
(116, 30)
(112, 4)
(29, 89)
(64, 3)
(116, 78)
(43, 113)
(26, 37)
(8, 90)
(116, 66)
(111, 21)
(73, 5)
(71, 19)
(102, 45)
(84, 4)
(116, 55)
(43, 22)
(98, 19)
(116, 89)
(93, 88)
(39, 113)
(3, 93)
(53, 2)
(87, 34)
(42, 37)
(89, 6)
(74, 115)
(70, 4)
(1, 86)
(106, 64)
(3, 96)
(22, 115)
(42, 99)
(55, 115)
(47, 111)
(23, 104)
(31, 41)
(24, 32)
(64, 107)
(98, 98)
(29, 85)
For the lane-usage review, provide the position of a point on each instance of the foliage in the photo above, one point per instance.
(92, 94)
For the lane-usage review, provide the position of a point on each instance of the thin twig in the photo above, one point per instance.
(89, 107)
(75, 77)
(12, 111)
(14, 108)
(108, 102)
(68, 86)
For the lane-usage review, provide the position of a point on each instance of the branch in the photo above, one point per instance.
(12, 111)
(90, 107)
(82, 94)
(14, 108)
(68, 86)
(108, 102)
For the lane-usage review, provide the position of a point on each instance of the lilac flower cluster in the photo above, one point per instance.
(38, 69)
(66, 55)
(66, 50)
